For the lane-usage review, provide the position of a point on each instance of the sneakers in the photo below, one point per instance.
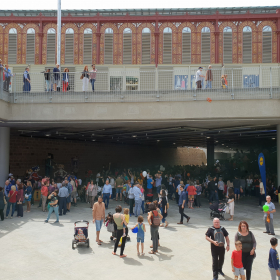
(11, 217)
(188, 219)
(124, 235)
(46, 221)
(221, 273)
(56, 222)
(271, 234)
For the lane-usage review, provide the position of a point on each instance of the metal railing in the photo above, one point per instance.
(143, 86)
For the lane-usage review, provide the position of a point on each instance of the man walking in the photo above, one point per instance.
(217, 235)
(182, 203)
(268, 216)
(198, 78)
(62, 195)
(56, 75)
(106, 193)
(138, 200)
(209, 77)
(119, 186)
(98, 216)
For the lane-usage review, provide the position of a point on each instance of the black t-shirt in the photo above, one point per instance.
(212, 186)
(210, 233)
(236, 183)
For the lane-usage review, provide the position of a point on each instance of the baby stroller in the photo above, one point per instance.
(80, 234)
(217, 210)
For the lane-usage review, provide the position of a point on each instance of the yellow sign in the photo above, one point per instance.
(261, 161)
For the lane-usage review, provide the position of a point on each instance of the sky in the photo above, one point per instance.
(126, 4)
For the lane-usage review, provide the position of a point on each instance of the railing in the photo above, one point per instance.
(143, 86)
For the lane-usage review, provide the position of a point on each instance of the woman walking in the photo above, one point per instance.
(12, 201)
(154, 218)
(85, 76)
(119, 220)
(2, 204)
(20, 199)
(231, 203)
(53, 206)
(163, 208)
(248, 247)
(65, 79)
(92, 193)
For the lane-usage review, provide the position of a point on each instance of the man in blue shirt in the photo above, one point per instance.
(7, 189)
(62, 195)
(106, 193)
(138, 201)
(8, 75)
(26, 80)
(56, 76)
(158, 182)
(182, 203)
(150, 188)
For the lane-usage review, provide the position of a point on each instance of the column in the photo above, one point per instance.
(278, 154)
(217, 34)
(4, 154)
(210, 153)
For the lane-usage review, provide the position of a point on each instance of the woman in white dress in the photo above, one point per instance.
(85, 76)
(231, 203)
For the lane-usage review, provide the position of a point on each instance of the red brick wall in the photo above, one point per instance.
(27, 152)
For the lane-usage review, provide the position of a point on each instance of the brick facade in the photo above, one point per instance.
(28, 152)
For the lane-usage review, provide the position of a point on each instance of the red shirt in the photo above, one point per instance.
(44, 191)
(237, 258)
(13, 196)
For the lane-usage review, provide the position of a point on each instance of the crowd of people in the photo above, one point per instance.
(150, 194)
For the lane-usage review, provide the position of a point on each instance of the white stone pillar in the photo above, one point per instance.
(4, 154)
(278, 155)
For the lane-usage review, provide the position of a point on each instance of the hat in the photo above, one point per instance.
(200, 68)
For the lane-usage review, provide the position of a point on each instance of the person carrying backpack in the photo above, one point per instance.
(154, 220)
(217, 236)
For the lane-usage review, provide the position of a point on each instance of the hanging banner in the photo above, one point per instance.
(261, 162)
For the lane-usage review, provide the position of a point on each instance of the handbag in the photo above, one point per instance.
(82, 76)
(110, 227)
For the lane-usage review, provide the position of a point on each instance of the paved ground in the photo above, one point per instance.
(31, 249)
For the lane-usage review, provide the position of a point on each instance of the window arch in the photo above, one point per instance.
(51, 43)
(247, 44)
(186, 45)
(12, 47)
(30, 46)
(146, 45)
(167, 46)
(69, 46)
(127, 46)
(108, 46)
(87, 59)
(205, 45)
(267, 44)
(227, 45)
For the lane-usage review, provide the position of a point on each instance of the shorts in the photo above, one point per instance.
(118, 190)
(140, 239)
(191, 196)
(98, 225)
(238, 271)
(73, 194)
(68, 199)
(236, 191)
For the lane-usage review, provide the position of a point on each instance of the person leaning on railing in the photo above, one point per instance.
(8, 75)
(85, 78)
(26, 80)
(65, 79)
(47, 75)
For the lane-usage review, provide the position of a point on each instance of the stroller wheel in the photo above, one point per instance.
(111, 238)
(73, 244)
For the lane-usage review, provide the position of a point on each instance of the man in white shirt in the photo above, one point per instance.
(198, 78)
(221, 187)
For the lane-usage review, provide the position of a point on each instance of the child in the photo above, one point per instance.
(236, 261)
(126, 217)
(140, 234)
(273, 259)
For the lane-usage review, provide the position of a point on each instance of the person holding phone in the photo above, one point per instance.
(53, 206)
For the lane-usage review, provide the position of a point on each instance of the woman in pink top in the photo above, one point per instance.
(44, 192)
(191, 193)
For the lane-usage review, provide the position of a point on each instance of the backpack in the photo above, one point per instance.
(219, 236)
(155, 219)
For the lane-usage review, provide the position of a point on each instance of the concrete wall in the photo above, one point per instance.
(28, 152)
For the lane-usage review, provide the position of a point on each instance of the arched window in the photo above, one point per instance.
(30, 46)
(108, 46)
(51, 43)
(205, 45)
(186, 46)
(69, 46)
(247, 44)
(127, 46)
(167, 45)
(12, 48)
(267, 44)
(87, 46)
(227, 45)
(146, 46)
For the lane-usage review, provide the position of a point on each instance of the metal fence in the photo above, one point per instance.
(142, 86)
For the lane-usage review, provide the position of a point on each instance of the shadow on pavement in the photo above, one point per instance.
(131, 261)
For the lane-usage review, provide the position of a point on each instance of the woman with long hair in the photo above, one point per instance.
(65, 79)
(231, 203)
(28, 196)
(12, 201)
(85, 76)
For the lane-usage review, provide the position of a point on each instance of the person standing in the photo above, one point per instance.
(74, 191)
(44, 192)
(56, 77)
(261, 194)
(20, 199)
(85, 75)
(213, 189)
(249, 245)
(268, 216)
(98, 217)
(209, 77)
(26, 80)
(12, 201)
(182, 204)
(119, 186)
(217, 235)
(92, 193)
(230, 203)
(138, 200)
(47, 75)
(198, 78)
(150, 194)
(53, 206)
(2, 204)
(8, 75)
(63, 194)
(68, 199)
(198, 195)
(106, 193)
(191, 190)
(131, 198)
(92, 75)
(273, 259)
(221, 187)
(158, 178)
(236, 186)
(65, 79)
